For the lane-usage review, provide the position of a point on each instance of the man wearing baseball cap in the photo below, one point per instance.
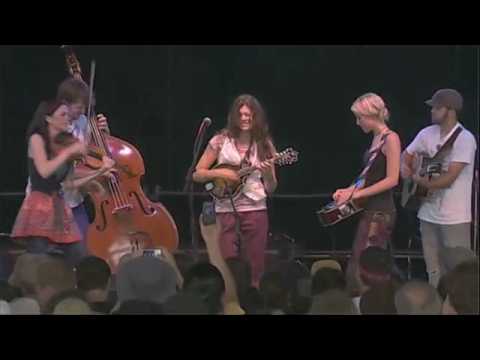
(445, 214)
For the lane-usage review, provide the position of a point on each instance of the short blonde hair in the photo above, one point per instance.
(371, 104)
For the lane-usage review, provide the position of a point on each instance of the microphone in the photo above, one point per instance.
(207, 122)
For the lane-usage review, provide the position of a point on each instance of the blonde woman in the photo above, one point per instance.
(377, 221)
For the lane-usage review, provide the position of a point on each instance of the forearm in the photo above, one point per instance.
(406, 165)
(79, 180)
(440, 182)
(352, 187)
(50, 166)
(204, 175)
(377, 188)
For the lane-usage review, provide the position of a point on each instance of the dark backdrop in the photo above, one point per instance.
(156, 96)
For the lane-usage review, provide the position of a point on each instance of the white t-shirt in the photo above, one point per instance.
(79, 129)
(452, 205)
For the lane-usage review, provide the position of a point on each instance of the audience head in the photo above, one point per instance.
(375, 266)
(273, 291)
(418, 298)
(297, 284)
(242, 275)
(54, 277)
(93, 274)
(25, 273)
(462, 289)
(333, 302)
(9, 292)
(454, 256)
(325, 264)
(69, 295)
(185, 304)
(379, 299)
(126, 258)
(72, 306)
(146, 278)
(205, 281)
(4, 308)
(139, 307)
(327, 279)
(184, 262)
(25, 306)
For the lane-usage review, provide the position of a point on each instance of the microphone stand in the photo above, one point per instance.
(239, 242)
(189, 188)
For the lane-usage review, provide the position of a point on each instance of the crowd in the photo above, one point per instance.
(168, 284)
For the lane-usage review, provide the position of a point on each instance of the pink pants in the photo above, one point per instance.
(375, 228)
(254, 229)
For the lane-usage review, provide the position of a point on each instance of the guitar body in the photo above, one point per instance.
(221, 189)
(413, 194)
(332, 213)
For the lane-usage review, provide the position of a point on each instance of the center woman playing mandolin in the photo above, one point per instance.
(376, 189)
(244, 142)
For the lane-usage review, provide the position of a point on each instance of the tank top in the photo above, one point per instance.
(378, 171)
(52, 183)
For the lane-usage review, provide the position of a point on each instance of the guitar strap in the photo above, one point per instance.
(448, 144)
(474, 239)
(246, 158)
(239, 241)
(360, 180)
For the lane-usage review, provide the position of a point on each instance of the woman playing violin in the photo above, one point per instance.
(45, 221)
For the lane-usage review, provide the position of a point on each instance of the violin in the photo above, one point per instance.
(93, 159)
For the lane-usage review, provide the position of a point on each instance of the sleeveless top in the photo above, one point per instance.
(50, 185)
(253, 196)
(378, 171)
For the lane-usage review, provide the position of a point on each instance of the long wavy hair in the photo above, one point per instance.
(260, 131)
(39, 124)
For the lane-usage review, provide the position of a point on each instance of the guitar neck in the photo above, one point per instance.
(246, 171)
(251, 169)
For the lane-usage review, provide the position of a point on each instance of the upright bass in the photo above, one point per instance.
(125, 219)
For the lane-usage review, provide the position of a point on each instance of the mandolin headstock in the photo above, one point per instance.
(287, 157)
